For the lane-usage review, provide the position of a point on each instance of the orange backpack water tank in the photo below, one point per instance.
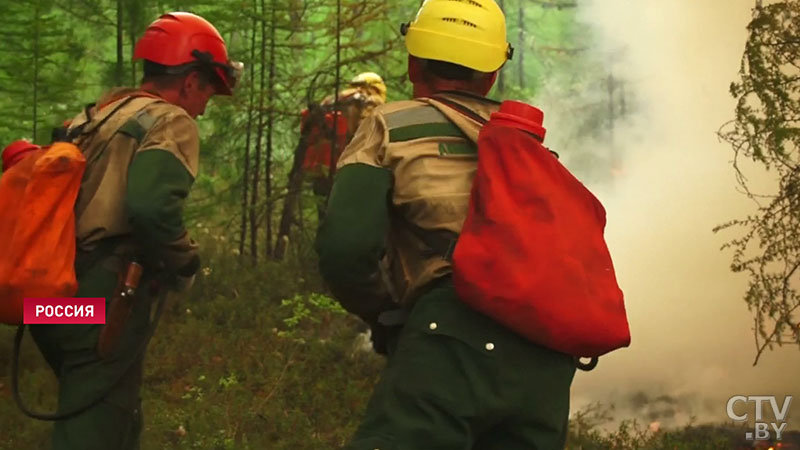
(37, 228)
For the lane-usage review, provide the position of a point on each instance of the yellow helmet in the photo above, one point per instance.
(370, 79)
(470, 33)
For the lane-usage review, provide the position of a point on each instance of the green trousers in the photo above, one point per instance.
(114, 423)
(457, 380)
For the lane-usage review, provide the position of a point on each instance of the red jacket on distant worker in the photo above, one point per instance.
(365, 92)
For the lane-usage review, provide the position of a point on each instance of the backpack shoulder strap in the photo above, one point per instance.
(419, 122)
(477, 117)
(460, 108)
(138, 125)
(80, 132)
(64, 134)
(135, 127)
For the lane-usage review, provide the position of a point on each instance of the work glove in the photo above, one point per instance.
(383, 337)
(185, 276)
(386, 330)
(183, 284)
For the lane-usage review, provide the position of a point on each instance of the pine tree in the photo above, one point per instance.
(40, 70)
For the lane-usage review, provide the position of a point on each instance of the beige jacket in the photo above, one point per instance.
(432, 178)
(126, 127)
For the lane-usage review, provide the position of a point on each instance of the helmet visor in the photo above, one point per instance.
(229, 73)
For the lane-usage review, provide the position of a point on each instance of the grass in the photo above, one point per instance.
(257, 358)
(251, 358)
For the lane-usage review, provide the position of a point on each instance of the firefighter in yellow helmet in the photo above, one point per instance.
(371, 84)
(455, 379)
(365, 92)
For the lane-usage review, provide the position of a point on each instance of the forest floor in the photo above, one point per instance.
(258, 359)
(248, 359)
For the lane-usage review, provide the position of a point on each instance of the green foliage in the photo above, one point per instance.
(766, 130)
(301, 307)
(766, 127)
(37, 69)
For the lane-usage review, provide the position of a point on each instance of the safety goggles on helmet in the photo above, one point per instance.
(181, 41)
(229, 73)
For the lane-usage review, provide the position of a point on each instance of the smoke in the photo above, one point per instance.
(692, 339)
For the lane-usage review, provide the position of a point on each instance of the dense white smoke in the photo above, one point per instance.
(693, 344)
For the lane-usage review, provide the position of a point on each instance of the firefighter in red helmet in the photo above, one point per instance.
(142, 149)
(179, 42)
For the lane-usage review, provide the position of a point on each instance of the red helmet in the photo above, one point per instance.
(183, 40)
(15, 151)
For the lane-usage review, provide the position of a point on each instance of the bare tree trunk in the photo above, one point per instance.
(35, 66)
(334, 132)
(248, 133)
(132, 37)
(259, 135)
(270, 123)
(520, 52)
(135, 16)
(120, 70)
(295, 186)
(501, 78)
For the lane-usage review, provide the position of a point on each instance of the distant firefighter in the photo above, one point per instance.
(366, 91)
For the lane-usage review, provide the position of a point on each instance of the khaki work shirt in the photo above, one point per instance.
(126, 127)
(432, 179)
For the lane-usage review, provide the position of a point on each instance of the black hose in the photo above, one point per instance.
(94, 401)
(588, 366)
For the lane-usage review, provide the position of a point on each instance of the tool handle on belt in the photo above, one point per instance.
(132, 278)
(119, 310)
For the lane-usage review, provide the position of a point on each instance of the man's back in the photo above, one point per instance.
(455, 378)
(431, 152)
(117, 131)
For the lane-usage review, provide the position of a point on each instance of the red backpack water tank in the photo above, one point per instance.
(531, 253)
